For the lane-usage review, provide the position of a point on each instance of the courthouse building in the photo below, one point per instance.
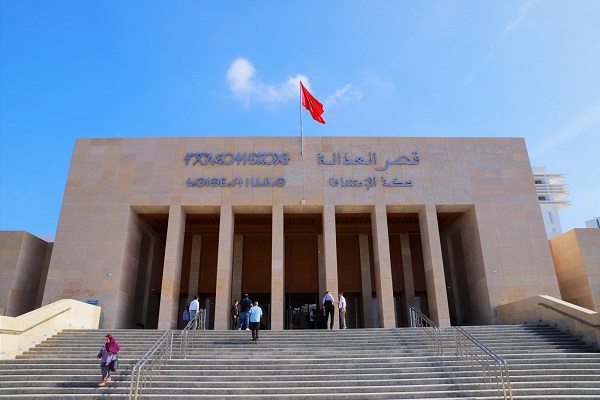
(449, 225)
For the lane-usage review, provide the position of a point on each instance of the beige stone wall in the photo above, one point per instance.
(564, 316)
(576, 256)
(465, 260)
(503, 261)
(23, 258)
(94, 254)
(126, 305)
(44, 275)
(19, 334)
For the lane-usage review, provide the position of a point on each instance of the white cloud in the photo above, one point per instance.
(245, 87)
(582, 123)
(522, 14)
(347, 93)
(240, 75)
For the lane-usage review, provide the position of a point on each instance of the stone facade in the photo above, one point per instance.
(24, 261)
(576, 255)
(126, 234)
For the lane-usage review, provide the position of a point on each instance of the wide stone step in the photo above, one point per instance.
(231, 381)
(293, 385)
(419, 392)
(489, 395)
(541, 374)
(270, 364)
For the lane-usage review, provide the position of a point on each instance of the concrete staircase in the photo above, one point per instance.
(339, 364)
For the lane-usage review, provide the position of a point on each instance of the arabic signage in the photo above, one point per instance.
(368, 182)
(202, 159)
(371, 159)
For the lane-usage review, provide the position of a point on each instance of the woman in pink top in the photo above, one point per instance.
(107, 354)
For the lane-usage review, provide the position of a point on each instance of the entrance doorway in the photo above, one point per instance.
(298, 308)
(353, 314)
(207, 302)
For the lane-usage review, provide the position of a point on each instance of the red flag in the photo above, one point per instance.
(311, 104)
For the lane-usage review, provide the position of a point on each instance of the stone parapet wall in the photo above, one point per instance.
(530, 311)
(19, 334)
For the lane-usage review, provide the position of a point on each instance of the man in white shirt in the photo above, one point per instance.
(194, 308)
(328, 308)
(342, 310)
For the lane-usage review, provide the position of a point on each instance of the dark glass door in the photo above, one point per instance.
(298, 308)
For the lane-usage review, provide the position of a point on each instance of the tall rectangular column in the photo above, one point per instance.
(321, 267)
(224, 269)
(437, 298)
(383, 267)
(455, 290)
(407, 272)
(148, 279)
(238, 257)
(171, 279)
(365, 277)
(277, 269)
(195, 267)
(330, 256)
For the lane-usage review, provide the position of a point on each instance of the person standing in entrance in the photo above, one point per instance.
(311, 319)
(328, 309)
(186, 316)
(342, 310)
(245, 305)
(194, 308)
(235, 314)
(255, 313)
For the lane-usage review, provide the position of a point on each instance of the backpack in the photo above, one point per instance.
(186, 316)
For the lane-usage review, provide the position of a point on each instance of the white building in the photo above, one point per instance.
(551, 194)
(593, 223)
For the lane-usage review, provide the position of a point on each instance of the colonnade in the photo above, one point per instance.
(228, 279)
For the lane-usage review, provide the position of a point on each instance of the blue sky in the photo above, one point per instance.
(472, 68)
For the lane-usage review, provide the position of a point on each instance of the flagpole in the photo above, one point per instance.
(301, 128)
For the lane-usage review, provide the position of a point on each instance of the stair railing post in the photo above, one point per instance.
(420, 320)
(152, 362)
(132, 383)
(137, 384)
(480, 356)
(171, 347)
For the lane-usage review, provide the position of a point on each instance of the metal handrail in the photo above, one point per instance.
(566, 314)
(150, 365)
(196, 323)
(19, 331)
(469, 347)
(420, 320)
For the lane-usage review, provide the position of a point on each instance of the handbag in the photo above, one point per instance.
(114, 365)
